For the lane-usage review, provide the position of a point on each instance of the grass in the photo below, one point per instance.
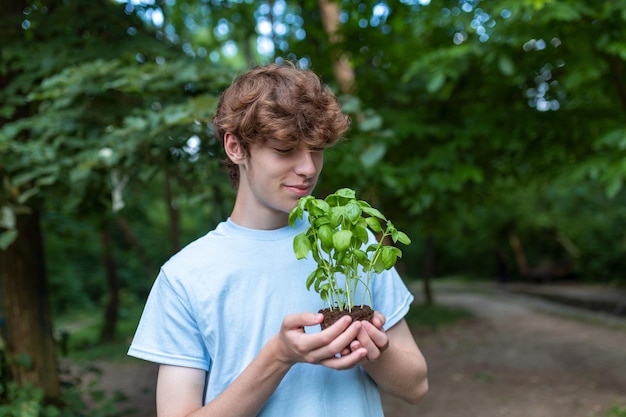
(434, 316)
(617, 411)
(83, 332)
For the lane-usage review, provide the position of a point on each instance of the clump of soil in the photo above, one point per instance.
(357, 313)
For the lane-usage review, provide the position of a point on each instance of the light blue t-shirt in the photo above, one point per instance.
(217, 302)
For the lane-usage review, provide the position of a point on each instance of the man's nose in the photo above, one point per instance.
(305, 165)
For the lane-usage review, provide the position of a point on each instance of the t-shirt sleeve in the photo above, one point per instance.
(167, 332)
(391, 296)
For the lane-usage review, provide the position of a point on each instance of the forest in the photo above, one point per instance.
(492, 131)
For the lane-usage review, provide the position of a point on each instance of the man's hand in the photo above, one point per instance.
(327, 348)
(371, 337)
(401, 370)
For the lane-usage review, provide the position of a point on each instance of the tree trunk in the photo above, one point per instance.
(429, 266)
(29, 335)
(520, 255)
(111, 313)
(344, 73)
(30, 342)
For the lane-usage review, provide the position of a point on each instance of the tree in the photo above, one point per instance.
(30, 348)
(489, 97)
(77, 124)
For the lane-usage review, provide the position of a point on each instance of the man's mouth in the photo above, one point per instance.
(300, 189)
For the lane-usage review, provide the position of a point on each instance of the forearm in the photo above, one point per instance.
(401, 369)
(244, 397)
(402, 374)
(179, 390)
(251, 390)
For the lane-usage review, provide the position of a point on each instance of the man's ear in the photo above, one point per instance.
(233, 148)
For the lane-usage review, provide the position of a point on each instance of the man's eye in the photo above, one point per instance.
(317, 149)
(282, 151)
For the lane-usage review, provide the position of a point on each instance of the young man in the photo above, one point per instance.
(226, 317)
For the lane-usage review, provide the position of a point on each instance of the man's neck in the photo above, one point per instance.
(260, 219)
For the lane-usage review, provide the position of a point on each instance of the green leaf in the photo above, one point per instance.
(435, 83)
(614, 139)
(324, 294)
(26, 195)
(360, 233)
(325, 236)
(301, 246)
(372, 247)
(390, 256)
(304, 203)
(320, 221)
(558, 11)
(398, 236)
(373, 154)
(341, 240)
(311, 279)
(352, 212)
(346, 193)
(379, 265)
(370, 121)
(7, 238)
(294, 215)
(374, 212)
(350, 104)
(613, 187)
(318, 207)
(361, 256)
(336, 216)
(506, 65)
(374, 224)
(7, 218)
(46, 180)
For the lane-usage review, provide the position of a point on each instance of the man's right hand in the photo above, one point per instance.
(327, 348)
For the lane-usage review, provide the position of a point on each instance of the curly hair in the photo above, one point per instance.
(279, 102)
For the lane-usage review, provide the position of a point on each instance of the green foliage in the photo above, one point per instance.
(82, 328)
(489, 107)
(617, 411)
(25, 402)
(434, 316)
(96, 121)
(337, 234)
(29, 401)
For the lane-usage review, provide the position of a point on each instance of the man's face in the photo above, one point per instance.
(275, 176)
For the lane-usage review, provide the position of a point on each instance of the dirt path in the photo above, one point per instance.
(521, 358)
(517, 358)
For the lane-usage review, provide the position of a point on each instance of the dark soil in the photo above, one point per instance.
(357, 313)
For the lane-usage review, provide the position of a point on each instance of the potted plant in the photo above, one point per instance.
(340, 244)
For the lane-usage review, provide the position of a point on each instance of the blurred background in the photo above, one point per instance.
(492, 131)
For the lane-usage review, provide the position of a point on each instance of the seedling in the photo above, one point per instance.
(340, 244)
